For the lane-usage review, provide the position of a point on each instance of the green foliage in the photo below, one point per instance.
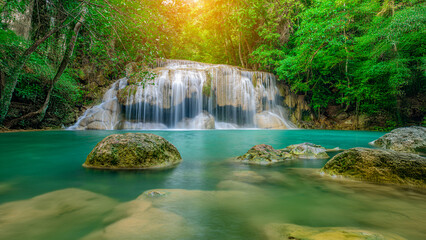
(66, 94)
(349, 52)
(114, 34)
(365, 55)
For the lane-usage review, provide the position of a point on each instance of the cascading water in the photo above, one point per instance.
(190, 95)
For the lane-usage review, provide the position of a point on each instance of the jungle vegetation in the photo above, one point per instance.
(366, 57)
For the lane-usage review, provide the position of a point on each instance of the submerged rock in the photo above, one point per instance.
(263, 154)
(67, 211)
(155, 193)
(307, 150)
(133, 151)
(138, 219)
(408, 139)
(278, 231)
(379, 166)
(247, 176)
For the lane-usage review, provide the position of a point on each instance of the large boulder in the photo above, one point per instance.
(133, 151)
(263, 154)
(278, 231)
(379, 166)
(307, 150)
(407, 139)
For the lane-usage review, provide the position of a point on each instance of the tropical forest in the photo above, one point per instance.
(212, 119)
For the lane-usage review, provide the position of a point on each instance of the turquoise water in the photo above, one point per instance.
(227, 201)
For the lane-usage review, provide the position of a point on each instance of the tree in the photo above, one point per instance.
(39, 114)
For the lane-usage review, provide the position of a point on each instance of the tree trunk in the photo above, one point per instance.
(67, 56)
(10, 83)
(239, 52)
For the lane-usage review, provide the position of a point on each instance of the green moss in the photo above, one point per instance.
(133, 151)
(379, 166)
(207, 85)
(254, 80)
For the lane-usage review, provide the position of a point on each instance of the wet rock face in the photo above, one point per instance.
(409, 139)
(379, 166)
(307, 150)
(202, 121)
(269, 120)
(263, 154)
(189, 95)
(133, 151)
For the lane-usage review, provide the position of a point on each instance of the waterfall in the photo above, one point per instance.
(190, 95)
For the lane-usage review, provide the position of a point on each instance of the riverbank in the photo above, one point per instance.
(7, 130)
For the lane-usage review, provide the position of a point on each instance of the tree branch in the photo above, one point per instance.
(67, 56)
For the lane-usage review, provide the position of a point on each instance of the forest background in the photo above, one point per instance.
(353, 56)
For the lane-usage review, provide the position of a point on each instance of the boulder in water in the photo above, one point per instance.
(379, 166)
(407, 139)
(278, 231)
(133, 151)
(307, 150)
(263, 154)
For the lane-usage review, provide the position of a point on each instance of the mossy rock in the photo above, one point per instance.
(133, 151)
(263, 154)
(379, 166)
(307, 150)
(407, 139)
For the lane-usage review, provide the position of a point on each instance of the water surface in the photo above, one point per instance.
(225, 201)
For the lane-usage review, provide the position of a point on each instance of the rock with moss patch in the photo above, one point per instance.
(407, 139)
(133, 151)
(379, 166)
(307, 150)
(278, 231)
(263, 154)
